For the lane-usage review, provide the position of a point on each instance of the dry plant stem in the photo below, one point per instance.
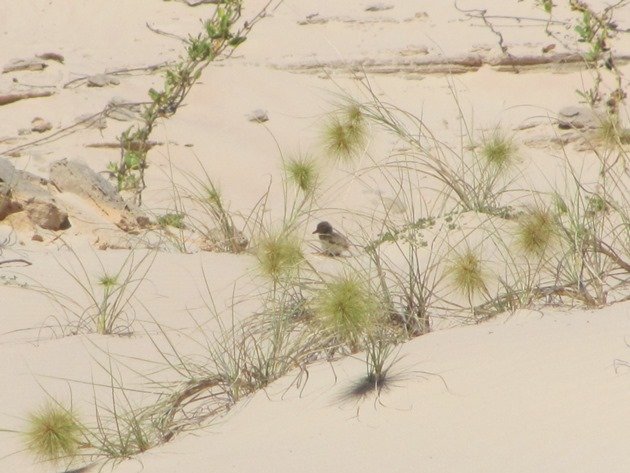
(16, 260)
(193, 388)
(70, 128)
(607, 250)
(475, 13)
(152, 68)
(164, 33)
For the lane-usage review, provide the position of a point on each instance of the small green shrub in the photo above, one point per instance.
(175, 220)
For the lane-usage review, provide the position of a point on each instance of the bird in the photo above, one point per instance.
(333, 243)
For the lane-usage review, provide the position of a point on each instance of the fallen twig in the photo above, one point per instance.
(164, 33)
(116, 72)
(16, 260)
(131, 145)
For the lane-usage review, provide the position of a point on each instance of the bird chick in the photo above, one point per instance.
(333, 243)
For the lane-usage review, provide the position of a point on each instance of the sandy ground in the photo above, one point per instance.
(534, 391)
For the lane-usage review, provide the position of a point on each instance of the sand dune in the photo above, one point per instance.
(538, 389)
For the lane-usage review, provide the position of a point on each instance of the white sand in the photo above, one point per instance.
(532, 392)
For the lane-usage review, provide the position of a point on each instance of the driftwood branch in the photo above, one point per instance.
(10, 98)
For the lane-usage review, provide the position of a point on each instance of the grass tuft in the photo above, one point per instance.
(303, 173)
(279, 255)
(536, 231)
(499, 151)
(467, 273)
(612, 133)
(348, 308)
(345, 135)
(53, 433)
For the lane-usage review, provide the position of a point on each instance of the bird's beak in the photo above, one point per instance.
(315, 231)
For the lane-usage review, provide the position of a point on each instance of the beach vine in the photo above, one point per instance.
(218, 40)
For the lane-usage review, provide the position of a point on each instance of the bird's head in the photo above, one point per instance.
(324, 228)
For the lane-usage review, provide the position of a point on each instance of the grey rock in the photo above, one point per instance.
(80, 179)
(101, 80)
(577, 118)
(313, 19)
(19, 180)
(8, 173)
(379, 7)
(259, 116)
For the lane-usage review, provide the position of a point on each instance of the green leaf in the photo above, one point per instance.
(133, 160)
(234, 42)
(155, 95)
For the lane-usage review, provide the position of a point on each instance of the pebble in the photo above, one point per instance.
(259, 116)
(576, 117)
(40, 125)
(379, 7)
(101, 80)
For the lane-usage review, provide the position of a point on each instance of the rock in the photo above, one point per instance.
(40, 125)
(313, 19)
(32, 64)
(46, 214)
(259, 116)
(16, 179)
(8, 206)
(37, 237)
(7, 172)
(577, 117)
(379, 7)
(101, 80)
(80, 179)
(51, 57)
(23, 191)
